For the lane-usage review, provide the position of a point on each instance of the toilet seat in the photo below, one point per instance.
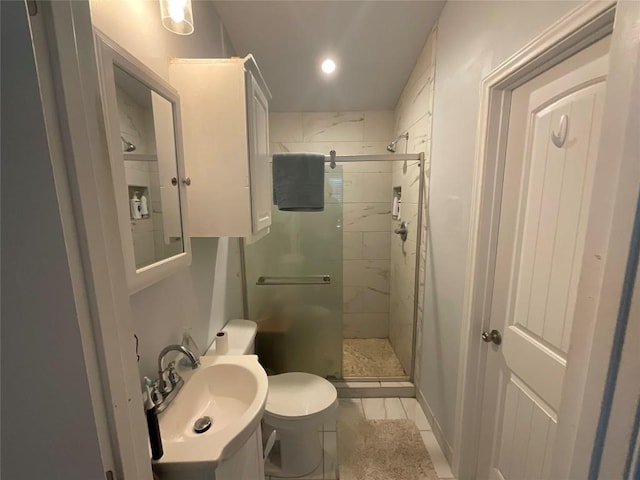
(298, 396)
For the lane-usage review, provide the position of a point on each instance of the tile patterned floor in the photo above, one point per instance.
(377, 409)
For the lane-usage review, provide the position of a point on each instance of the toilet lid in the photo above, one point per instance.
(299, 394)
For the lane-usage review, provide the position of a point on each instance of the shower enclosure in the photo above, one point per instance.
(293, 282)
(334, 293)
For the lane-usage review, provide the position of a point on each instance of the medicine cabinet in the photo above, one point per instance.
(142, 119)
(226, 142)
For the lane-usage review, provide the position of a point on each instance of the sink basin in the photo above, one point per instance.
(232, 390)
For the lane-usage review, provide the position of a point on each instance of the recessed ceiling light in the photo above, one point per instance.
(328, 66)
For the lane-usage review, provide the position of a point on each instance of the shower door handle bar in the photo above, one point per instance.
(299, 280)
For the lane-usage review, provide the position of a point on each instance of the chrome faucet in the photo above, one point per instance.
(165, 387)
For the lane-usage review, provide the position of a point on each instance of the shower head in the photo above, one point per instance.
(128, 146)
(392, 146)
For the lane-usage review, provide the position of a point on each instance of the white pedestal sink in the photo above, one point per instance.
(232, 390)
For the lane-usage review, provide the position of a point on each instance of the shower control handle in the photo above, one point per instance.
(402, 231)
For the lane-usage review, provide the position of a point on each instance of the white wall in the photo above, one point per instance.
(135, 25)
(162, 310)
(48, 425)
(184, 299)
(473, 38)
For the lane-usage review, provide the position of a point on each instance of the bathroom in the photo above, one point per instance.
(461, 43)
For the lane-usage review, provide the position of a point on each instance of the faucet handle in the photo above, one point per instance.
(172, 375)
(156, 396)
(164, 385)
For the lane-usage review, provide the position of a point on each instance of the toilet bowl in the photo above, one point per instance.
(297, 406)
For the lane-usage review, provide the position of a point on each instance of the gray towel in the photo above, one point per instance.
(298, 182)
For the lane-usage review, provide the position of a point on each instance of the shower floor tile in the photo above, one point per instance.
(370, 357)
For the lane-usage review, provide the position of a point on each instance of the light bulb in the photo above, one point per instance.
(177, 16)
(328, 66)
(176, 10)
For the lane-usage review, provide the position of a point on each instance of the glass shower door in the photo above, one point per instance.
(294, 287)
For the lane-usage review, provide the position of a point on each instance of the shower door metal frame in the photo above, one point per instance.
(416, 286)
(392, 157)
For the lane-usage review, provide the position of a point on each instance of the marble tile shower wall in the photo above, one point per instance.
(413, 114)
(367, 197)
(136, 122)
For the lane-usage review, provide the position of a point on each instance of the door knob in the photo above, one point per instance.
(492, 336)
(185, 180)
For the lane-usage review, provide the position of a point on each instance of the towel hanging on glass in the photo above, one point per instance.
(298, 181)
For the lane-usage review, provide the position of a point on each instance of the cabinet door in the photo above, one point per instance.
(146, 109)
(259, 159)
(167, 170)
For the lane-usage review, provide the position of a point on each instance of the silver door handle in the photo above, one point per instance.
(492, 336)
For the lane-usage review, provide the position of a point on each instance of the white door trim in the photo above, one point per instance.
(572, 33)
(75, 126)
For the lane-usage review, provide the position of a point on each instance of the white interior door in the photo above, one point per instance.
(551, 153)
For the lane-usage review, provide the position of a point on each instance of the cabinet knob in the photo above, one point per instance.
(186, 181)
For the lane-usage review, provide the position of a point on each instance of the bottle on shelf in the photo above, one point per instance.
(136, 207)
(144, 208)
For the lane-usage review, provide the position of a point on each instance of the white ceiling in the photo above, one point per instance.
(374, 43)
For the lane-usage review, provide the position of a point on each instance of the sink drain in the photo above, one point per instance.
(202, 424)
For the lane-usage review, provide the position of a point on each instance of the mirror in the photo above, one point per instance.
(149, 155)
(145, 148)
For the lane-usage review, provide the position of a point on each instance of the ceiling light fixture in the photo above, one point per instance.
(328, 66)
(177, 16)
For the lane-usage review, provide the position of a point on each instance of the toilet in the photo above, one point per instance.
(297, 406)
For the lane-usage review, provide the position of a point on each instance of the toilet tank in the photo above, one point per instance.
(242, 337)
